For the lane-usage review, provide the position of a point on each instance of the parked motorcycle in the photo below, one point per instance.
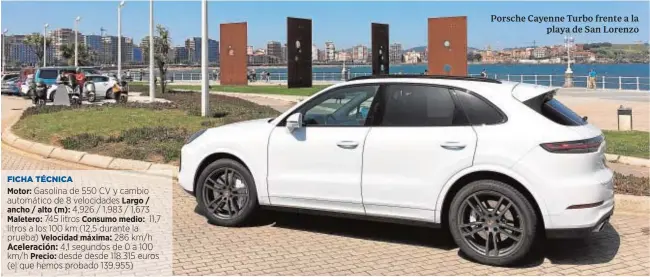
(39, 96)
(75, 95)
(89, 88)
(121, 91)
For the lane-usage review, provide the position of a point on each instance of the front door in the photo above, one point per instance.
(318, 166)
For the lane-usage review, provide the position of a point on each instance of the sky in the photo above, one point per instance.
(345, 23)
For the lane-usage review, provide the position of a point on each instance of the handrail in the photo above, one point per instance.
(553, 80)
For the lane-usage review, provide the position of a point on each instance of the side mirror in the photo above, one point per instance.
(294, 121)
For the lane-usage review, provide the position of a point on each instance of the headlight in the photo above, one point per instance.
(194, 136)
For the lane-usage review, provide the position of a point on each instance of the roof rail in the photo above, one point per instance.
(446, 77)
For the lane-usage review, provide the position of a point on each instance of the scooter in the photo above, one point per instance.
(121, 91)
(89, 88)
(39, 97)
(75, 95)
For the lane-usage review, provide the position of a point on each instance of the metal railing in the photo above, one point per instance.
(602, 82)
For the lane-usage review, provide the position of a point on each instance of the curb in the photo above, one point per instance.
(627, 160)
(632, 203)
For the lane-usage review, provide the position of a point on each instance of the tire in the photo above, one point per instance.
(109, 94)
(514, 218)
(217, 211)
(92, 97)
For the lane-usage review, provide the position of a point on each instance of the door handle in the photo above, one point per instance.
(453, 145)
(346, 144)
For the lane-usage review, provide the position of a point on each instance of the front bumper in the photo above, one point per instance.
(190, 161)
(583, 231)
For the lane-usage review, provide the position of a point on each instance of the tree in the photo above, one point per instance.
(478, 57)
(162, 42)
(83, 55)
(35, 42)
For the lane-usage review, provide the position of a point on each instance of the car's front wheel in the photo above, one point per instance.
(226, 193)
(492, 222)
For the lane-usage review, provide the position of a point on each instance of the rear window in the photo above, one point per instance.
(554, 110)
(47, 74)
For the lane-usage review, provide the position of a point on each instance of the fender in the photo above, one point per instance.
(498, 169)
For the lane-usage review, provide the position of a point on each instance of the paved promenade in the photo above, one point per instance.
(289, 244)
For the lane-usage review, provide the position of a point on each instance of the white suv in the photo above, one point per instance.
(498, 163)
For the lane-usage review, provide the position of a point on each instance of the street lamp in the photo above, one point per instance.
(4, 53)
(119, 39)
(568, 42)
(76, 42)
(45, 44)
(152, 88)
(204, 59)
(568, 74)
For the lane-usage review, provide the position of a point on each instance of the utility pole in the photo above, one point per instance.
(119, 40)
(4, 52)
(45, 44)
(152, 86)
(205, 82)
(76, 40)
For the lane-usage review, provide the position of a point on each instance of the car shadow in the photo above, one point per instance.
(360, 229)
(598, 248)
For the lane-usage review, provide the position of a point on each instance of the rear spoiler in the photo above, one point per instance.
(523, 92)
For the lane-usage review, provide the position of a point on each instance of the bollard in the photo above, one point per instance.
(624, 119)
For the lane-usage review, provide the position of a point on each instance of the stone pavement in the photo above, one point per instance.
(290, 244)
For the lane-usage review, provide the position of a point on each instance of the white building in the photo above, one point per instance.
(314, 52)
(330, 51)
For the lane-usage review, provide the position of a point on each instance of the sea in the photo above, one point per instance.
(633, 76)
(613, 70)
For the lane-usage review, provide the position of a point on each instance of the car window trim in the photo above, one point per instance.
(450, 89)
(300, 109)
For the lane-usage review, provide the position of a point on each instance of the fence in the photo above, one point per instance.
(602, 82)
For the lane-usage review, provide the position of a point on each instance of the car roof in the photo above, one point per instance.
(489, 88)
(468, 84)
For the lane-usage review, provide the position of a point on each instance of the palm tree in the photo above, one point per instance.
(162, 42)
(35, 42)
(67, 52)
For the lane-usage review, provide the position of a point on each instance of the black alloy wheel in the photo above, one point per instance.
(492, 222)
(226, 193)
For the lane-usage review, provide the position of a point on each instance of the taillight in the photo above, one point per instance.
(577, 146)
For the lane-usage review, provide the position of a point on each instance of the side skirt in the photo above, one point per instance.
(353, 216)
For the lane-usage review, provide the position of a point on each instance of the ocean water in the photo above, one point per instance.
(634, 76)
(625, 70)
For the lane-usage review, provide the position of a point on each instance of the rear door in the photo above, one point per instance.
(101, 85)
(418, 141)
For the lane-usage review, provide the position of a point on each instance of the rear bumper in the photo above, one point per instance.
(583, 231)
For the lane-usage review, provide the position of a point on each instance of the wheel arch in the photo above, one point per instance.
(467, 176)
(212, 158)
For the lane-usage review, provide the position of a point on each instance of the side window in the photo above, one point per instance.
(102, 79)
(348, 106)
(478, 111)
(418, 105)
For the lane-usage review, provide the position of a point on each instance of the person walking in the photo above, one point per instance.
(592, 79)
(484, 73)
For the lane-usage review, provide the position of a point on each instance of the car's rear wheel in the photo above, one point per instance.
(226, 193)
(492, 222)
